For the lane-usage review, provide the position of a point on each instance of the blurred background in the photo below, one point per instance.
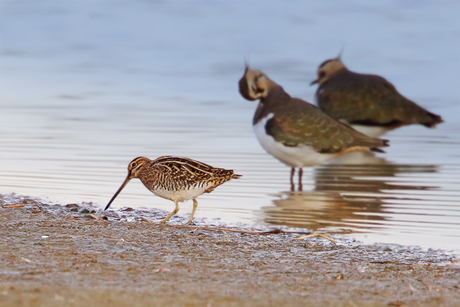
(86, 86)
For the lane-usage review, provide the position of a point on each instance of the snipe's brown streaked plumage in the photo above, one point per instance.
(369, 103)
(176, 179)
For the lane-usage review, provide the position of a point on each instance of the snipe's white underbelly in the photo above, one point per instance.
(182, 194)
(299, 156)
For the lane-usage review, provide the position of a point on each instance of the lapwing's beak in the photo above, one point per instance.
(314, 82)
(128, 178)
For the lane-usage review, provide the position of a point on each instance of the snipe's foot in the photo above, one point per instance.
(147, 220)
(315, 235)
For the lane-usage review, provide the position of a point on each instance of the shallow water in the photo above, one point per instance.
(87, 88)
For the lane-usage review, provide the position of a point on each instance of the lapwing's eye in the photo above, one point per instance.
(322, 74)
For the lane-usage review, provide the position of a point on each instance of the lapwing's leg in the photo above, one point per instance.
(292, 179)
(172, 213)
(300, 179)
(195, 204)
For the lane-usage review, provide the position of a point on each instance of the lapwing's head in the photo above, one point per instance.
(255, 84)
(134, 169)
(327, 69)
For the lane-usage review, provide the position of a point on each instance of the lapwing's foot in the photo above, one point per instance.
(191, 223)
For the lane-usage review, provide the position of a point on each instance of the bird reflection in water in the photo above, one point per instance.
(348, 194)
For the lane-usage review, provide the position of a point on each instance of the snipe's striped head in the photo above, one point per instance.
(134, 169)
(327, 69)
(254, 84)
(136, 166)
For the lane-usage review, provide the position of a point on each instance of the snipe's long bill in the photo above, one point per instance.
(177, 179)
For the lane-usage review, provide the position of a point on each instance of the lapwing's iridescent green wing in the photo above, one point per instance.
(304, 124)
(369, 99)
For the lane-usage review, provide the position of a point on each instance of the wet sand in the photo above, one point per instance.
(59, 255)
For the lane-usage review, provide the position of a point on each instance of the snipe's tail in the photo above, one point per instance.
(236, 176)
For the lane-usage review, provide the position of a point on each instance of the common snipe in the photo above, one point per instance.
(176, 179)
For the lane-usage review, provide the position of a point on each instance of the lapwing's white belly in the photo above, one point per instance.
(181, 195)
(292, 156)
(372, 131)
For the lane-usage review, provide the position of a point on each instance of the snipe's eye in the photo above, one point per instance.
(322, 74)
(133, 164)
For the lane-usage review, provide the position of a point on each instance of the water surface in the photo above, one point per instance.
(86, 87)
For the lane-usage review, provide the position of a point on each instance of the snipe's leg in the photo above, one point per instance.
(172, 213)
(300, 179)
(292, 179)
(195, 204)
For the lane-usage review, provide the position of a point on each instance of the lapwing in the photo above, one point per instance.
(369, 103)
(296, 132)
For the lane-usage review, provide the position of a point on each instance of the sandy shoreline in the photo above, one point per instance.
(57, 255)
